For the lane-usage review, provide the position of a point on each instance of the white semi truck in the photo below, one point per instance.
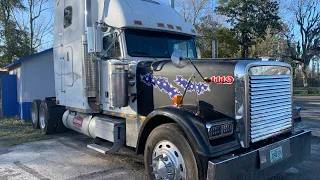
(126, 72)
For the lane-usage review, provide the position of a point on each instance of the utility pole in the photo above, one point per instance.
(171, 2)
(215, 48)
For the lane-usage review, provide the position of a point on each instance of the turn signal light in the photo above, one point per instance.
(177, 99)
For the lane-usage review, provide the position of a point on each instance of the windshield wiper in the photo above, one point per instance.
(144, 53)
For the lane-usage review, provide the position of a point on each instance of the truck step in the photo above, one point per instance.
(104, 149)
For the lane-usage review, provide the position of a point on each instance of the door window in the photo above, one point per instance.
(111, 46)
(67, 17)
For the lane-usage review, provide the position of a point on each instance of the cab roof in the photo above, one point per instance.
(145, 14)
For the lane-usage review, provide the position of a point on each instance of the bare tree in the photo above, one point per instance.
(37, 19)
(193, 10)
(307, 18)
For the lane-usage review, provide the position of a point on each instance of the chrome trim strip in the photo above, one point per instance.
(269, 91)
(274, 125)
(268, 80)
(270, 88)
(270, 77)
(271, 135)
(269, 121)
(268, 84)
(271, 99)
(268, 95)
(287, 110)
(269, 102)
(269, 111)
(279, 115)
(271, 105)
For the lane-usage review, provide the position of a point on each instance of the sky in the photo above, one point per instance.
(283, 13)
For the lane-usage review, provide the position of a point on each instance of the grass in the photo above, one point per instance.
(14, 131)
(306, 92)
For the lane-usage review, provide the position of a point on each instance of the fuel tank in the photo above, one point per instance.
(96, 126)
(166, 81)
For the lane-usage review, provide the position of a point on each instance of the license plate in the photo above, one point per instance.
(274, 153)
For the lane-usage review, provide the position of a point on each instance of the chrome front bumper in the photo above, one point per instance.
(257, 164)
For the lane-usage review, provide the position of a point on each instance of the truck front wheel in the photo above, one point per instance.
(168, 155)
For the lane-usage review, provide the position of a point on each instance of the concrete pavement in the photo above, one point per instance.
(310, 113)
(68, 157)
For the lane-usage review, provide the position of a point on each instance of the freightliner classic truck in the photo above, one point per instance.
(126, 72)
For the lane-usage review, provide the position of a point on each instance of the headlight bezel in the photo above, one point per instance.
(220, 128)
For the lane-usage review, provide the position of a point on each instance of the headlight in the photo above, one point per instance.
(219, 129)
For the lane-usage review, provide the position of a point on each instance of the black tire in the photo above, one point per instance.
(47, 123)
(35, 113)
(171, 133)
(60, 126)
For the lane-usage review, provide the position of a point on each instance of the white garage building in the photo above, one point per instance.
(29, 78)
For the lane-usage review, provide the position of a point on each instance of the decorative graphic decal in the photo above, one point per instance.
(200, 87)
(161, 83)
(222, 79)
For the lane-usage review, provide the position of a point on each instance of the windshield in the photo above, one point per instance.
(142, 43)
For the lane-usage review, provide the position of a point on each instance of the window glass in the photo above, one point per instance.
(67, 17)
(142, 43)
(111, 46)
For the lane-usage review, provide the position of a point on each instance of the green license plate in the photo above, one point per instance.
(276, 154)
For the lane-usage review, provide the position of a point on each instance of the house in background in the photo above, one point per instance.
(28, 78)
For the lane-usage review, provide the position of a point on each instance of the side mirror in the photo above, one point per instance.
(178, 59)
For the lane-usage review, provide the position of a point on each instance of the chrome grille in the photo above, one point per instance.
(270, 106)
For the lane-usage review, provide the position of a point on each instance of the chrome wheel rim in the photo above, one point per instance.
(41, 118)
(167, 162)
(33, 115)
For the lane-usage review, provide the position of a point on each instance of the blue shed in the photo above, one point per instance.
(29, 78)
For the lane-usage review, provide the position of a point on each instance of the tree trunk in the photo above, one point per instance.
(31, 35)
(31, 25)
(244, 52)
(304, 75)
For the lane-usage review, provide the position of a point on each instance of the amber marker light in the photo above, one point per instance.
(170, 26)
(161, 25)
(177, 99)
(179, 28)
(132, 116)
(137, 22)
